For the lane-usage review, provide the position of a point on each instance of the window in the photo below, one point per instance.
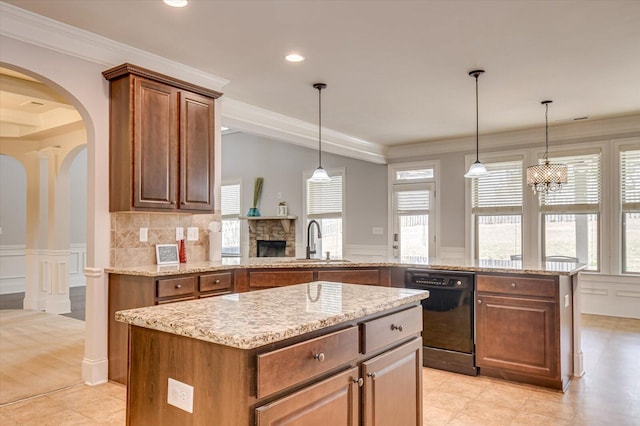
(497, 209)
(570, 216)
(230, 206)
(630, 198)
(325, 205)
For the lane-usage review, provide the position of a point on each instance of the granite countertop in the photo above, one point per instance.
(253, 319)
(506, 266)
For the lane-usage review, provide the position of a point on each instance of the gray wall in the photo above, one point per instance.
(282, 164)
(13, 202)
(78, 199)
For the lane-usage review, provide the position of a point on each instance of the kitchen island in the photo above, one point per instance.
(315, 353)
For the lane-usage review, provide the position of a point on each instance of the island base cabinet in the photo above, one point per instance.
(334, 401)
(392, 391)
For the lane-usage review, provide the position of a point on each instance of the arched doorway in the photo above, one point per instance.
(44, 133)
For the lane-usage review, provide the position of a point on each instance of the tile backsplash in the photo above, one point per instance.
(127, 250)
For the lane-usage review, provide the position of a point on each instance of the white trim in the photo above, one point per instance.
(38, 30)
(251, 119)
(451, 255)
(391, 180)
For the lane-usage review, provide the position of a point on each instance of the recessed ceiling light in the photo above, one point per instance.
(176, 3)
(294, 57)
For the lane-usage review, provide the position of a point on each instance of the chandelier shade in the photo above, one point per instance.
(320, 174)
(547, 177)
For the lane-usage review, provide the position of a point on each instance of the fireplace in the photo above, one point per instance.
(272, 248)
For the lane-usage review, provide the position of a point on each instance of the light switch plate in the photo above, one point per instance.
(192, 233)
(144, 234)
(179, 233)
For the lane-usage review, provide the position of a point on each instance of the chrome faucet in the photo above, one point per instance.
(309, 245)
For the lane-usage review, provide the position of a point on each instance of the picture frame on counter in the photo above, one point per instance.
(167, 254)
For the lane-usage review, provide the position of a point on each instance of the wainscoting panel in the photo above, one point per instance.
(13, 269)
(611, 295)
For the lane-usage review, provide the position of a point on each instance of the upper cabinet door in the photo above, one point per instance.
(197, 150)
(155, 147)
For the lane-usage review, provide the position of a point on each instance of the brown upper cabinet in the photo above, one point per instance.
(162, 144)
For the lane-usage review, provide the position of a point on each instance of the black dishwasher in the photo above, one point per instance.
(447, 316)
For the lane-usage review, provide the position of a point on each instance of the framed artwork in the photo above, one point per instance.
(167, 254)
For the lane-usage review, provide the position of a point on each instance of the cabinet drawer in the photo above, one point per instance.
(285, 367)
(543, 287)
(174, 287)
(215, 282)
(384, 331)
(279, 278)
(357, 276)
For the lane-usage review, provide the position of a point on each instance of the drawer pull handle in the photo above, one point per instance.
(217, 281)
(358, 381)
(372, 375)
(178, 285)
(319, 357)
(479, 301)
(396, 327)
(513, 285)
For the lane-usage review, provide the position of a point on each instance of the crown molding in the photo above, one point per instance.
(608, 128)
(251, 119)
(41, 31)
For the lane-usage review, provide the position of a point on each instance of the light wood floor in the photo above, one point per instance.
(609, 393)
(39, 353)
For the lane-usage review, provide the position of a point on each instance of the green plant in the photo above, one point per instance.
(257, 190)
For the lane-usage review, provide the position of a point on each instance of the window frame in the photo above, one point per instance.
(625, 145)
(229, 182)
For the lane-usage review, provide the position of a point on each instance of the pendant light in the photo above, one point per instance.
(320, 174)
(548, 176)
(477, 168)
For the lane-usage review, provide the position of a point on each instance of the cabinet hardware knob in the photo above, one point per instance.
(479, 301)
(372, 375)
(217, 281)
(396, 327)
(178, 285)
(513, 285)
(319, 357)
(182, 203)
(173, 203)
(358, 381)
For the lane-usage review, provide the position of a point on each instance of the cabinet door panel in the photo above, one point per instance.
(265, 279)
(155, 154)
(392, 393)
(334, 401)
(357, 276)
(196, 152)
(517, 334)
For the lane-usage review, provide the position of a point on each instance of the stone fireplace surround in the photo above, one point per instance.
(272, 230)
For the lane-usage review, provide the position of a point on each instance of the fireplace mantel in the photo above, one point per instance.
(285, 220)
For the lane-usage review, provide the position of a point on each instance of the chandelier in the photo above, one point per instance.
(548, 176)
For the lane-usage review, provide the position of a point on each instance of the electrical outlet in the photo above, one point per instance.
(179, 233)
(192, 233)
(180, 395)
(144, 234)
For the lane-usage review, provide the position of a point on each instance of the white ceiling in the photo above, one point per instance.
(397, 71)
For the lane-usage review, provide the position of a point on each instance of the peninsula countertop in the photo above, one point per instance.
(500, 266)
(253, 319)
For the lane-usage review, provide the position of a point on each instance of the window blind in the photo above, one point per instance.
(324, 199)
(499, 192)
(230, 200)
(412, 202)
(630, 180)
(582, 191)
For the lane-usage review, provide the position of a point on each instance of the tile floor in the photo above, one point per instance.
(609, 394)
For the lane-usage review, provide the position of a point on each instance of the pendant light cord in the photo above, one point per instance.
(319, 127)
(546, 132)
(477, 137)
